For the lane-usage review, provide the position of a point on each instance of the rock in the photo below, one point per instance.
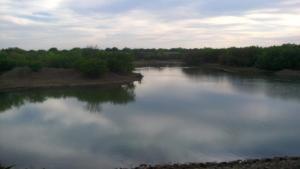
(268, 163)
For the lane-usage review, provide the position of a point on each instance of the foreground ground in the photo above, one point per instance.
(274, 163)
(21, 78)
(270, 163)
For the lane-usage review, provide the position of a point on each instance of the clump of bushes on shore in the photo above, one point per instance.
(270, 58)
(90, 61)
(92, 67)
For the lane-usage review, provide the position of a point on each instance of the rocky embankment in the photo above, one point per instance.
(270, 163)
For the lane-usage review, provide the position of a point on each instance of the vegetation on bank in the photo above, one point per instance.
(95, 62)
(91, 62)
(270, 58)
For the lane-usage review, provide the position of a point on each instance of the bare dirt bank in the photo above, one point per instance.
(22, 78)
(274, 163)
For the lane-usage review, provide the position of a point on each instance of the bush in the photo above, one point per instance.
(6, 64)
(278, 58)
(90, 61)
(35, 66)
(58, 60)
(92, 67)
(243, 57)
(120, 63)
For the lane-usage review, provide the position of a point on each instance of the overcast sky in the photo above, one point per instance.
(35, 24)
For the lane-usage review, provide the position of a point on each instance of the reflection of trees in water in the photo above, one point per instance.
(284, 88)
(92, 96)
(116, 95)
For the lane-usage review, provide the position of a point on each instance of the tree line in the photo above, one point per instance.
(286, 56)
(95, 62)
(273, 58)
(91, 62)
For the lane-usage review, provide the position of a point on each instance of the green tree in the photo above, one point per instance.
(119, 62)
(92, 67)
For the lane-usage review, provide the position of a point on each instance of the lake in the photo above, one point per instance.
(173, 115)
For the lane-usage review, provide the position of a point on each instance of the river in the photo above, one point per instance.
(173, 115)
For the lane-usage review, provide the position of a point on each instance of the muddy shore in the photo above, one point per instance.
(252, 70)
(20, 78)
(229, 69)
(270, 163)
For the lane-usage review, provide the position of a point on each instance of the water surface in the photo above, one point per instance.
(173, 115)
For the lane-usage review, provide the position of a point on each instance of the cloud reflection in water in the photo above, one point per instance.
(172, 116)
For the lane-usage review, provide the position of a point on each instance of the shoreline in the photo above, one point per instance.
(21, 79)
(264, 163)
(285, 73)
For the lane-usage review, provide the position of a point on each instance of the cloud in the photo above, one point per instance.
(140, 23)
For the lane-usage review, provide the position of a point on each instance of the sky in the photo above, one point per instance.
(41, 24)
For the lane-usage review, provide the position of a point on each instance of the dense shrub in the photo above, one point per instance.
(271, 58)
(239, 56)
(35, 66)
(206, 55)
(277, 58)
(90, 61)
(92, 67)
(5, 63)
(120, 63)
(58, 60)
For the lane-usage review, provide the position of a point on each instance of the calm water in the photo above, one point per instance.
(173, 115)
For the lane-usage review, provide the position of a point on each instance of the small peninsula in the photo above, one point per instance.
(21, 69)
